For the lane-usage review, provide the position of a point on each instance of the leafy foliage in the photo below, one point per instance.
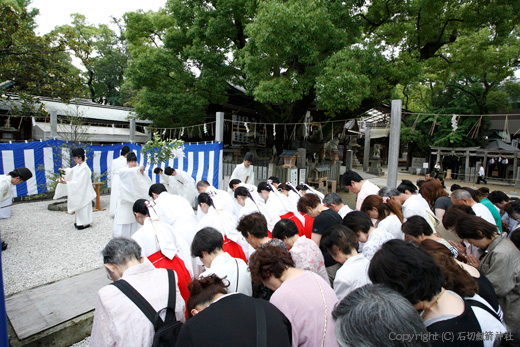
(159, 151)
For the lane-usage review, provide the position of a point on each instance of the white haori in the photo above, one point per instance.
(117, 164)
(155, 235)
(79, 192)
(246, 175)
(177, 212)
(185, 185)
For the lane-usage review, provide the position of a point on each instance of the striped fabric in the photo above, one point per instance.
(43, 158)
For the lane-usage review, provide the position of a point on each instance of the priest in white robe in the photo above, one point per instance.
(183, 183)
(163, 179)
(245, 172)
(221, 199)
(77, 186)
(7, 182)
(133, 185)
(117, 164)
(174, 210)
(155, 236)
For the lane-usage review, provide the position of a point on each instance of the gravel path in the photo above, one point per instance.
(45, 247)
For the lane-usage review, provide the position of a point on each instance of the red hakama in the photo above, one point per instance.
(234, 249)
(176, 264)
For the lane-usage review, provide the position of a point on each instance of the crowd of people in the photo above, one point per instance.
(274, 264)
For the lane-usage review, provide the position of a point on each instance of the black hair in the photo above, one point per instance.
(22, 172)
(140, 207)
(156, 188)
(515, 237)
(497, 197)
(358, 221)
(204, 198)
(168, 171)
(473, 227)
(78, 153)
(206, 240)
(407, 185)
(157, 170)
(125, 150)
(407, 269)
(284, 228)
(340, 236)
(455, 187)
(233, 182)
(241, 191)
(274, 179)
(301, 187)
(416, 226)
(350, 176)
(453, 213)
(263, 186)
(131, 157)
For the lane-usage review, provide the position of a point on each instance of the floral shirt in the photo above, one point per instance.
(307, 256)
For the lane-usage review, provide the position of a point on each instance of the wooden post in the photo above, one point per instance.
(467, 169)
(394, 142)
(98, 201)
(366, 151)
(515, 168)
(54, 123)
(219, 137)
(132, 130)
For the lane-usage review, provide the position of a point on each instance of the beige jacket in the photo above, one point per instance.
(501, 265)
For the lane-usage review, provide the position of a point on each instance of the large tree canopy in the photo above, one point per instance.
(37, 65)
(282, 56)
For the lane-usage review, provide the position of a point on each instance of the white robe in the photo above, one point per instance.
(117, 164)
(222, 201)
(246, 175)
(133, 185)
(184, 184)
(155, 235)
(79, 192)
(166, 181)
(222, 221)
(177, 212)
(6, 196)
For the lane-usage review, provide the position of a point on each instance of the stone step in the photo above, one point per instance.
(55, 314)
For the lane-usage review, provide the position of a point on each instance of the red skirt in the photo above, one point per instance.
(234, 249)
(299, 225)
(308, 226)
(176, 264)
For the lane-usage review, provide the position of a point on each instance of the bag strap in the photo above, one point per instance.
(172, 296)
(261, 330)
(238, 274)
(136, 298)
(478, 304)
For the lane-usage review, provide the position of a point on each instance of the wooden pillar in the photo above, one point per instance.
(484, 164)
(467, 170)
(515, 168)
(366, 151)
(394, 142)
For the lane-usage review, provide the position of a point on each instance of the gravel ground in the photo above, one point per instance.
(82, 343)
(44, 246)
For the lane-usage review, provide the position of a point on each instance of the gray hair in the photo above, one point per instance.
(375, 315)
(461, 194)
(387, 192)
(332, 198)
(121, 250)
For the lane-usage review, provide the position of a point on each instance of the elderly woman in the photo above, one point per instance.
(312, 322)
(117, 320)
(500, 263)
(305, 253)
(413, 272)
(375, 315)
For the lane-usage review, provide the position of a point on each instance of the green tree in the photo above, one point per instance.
(102, 53)
(36, 65)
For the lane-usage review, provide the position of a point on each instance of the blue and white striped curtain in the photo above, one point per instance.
(201, 161)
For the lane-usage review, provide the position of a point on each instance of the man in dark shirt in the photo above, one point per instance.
(232, 321)
(324, 218)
